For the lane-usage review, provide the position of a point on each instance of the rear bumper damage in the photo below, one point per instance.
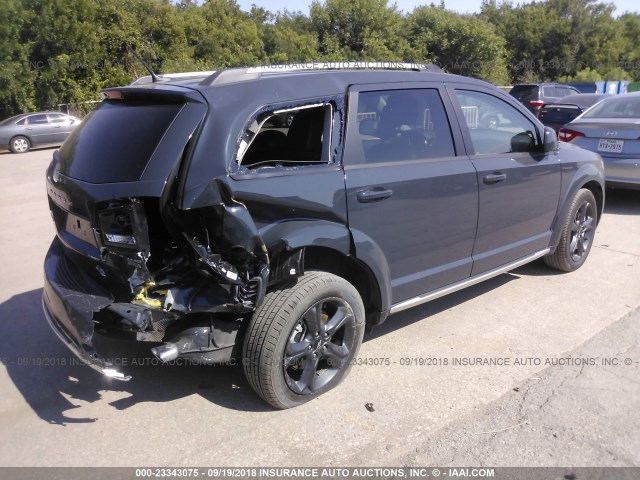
(68, 304)
(82, 313)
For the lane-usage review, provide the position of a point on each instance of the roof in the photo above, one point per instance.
(232, 75)
(279, 83)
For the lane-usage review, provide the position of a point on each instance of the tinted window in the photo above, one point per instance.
(524, 93)
(37, 120)
(570, 91)
(115, 142)
(403, 125)
(294, 136)
(625, 106)
(494, 125)
(57, 118)
(583, 100)
(22, 122)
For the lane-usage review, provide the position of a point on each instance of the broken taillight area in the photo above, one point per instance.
(116, 226)
(190, 291)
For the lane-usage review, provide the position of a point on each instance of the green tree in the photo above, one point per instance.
(555, 38)
(629, 24)
(222, 35)
(286, 37)
(64, 49)
(358, 30)
(16, 78)
(585, 75)
(460, 44)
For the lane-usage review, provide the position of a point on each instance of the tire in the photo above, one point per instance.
(577, 235)
(301, 341)
(19, 144)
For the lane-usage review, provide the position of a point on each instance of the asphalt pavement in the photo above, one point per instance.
(466, 379)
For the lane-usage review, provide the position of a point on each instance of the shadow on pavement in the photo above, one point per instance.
(622, 201)
(49, 376)
(412, 315)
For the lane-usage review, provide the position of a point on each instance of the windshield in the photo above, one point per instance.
(623, 106)
(115, 142)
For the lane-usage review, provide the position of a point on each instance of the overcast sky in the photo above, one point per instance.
(462, 6)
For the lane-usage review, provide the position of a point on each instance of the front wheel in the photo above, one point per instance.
(301, 341)
(577, 235)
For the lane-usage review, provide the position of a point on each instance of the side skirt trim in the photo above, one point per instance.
(454, 287)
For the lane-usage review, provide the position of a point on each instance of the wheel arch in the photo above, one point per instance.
(355, 272)
(590, 182)
(331, 247)
(598, 193)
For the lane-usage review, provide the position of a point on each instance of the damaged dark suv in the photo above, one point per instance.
(192, 220)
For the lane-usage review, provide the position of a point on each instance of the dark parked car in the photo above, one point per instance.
(188, 225)
(612, 129)
(39, 129)
(557, 115)
(534, 96)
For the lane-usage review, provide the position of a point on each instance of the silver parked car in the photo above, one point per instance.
(612, 129)
(38, 129)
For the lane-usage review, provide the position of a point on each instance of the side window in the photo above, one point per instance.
(40, 119)
(22, 122)
(403, 125)
(57, 118)
(288, 137)
(494, 125)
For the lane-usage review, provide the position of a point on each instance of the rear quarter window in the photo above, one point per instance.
(524, 92)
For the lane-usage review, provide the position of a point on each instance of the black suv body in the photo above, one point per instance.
(534, 96)
(192, 221)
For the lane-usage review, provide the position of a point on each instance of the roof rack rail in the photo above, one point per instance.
(172, 76)
(232, 75)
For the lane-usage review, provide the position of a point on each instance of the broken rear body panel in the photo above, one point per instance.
(172, 246)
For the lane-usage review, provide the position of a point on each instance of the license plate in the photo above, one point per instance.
(610, 146)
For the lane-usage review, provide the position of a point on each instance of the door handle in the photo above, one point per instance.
(57, 126)
(494, 178)
(374, 195)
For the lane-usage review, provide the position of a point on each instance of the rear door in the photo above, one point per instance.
(519, 186)
(60, 126)
(411, 195)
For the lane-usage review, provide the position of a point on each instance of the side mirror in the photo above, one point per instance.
(549, 140)
(522, 142)
(367, 127)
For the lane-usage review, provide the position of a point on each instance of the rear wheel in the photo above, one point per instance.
(577, 235)
(301, 341)
(19, 145)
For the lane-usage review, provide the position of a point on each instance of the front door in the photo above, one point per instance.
(519, 186)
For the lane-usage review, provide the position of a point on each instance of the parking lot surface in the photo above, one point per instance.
(427, 374)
